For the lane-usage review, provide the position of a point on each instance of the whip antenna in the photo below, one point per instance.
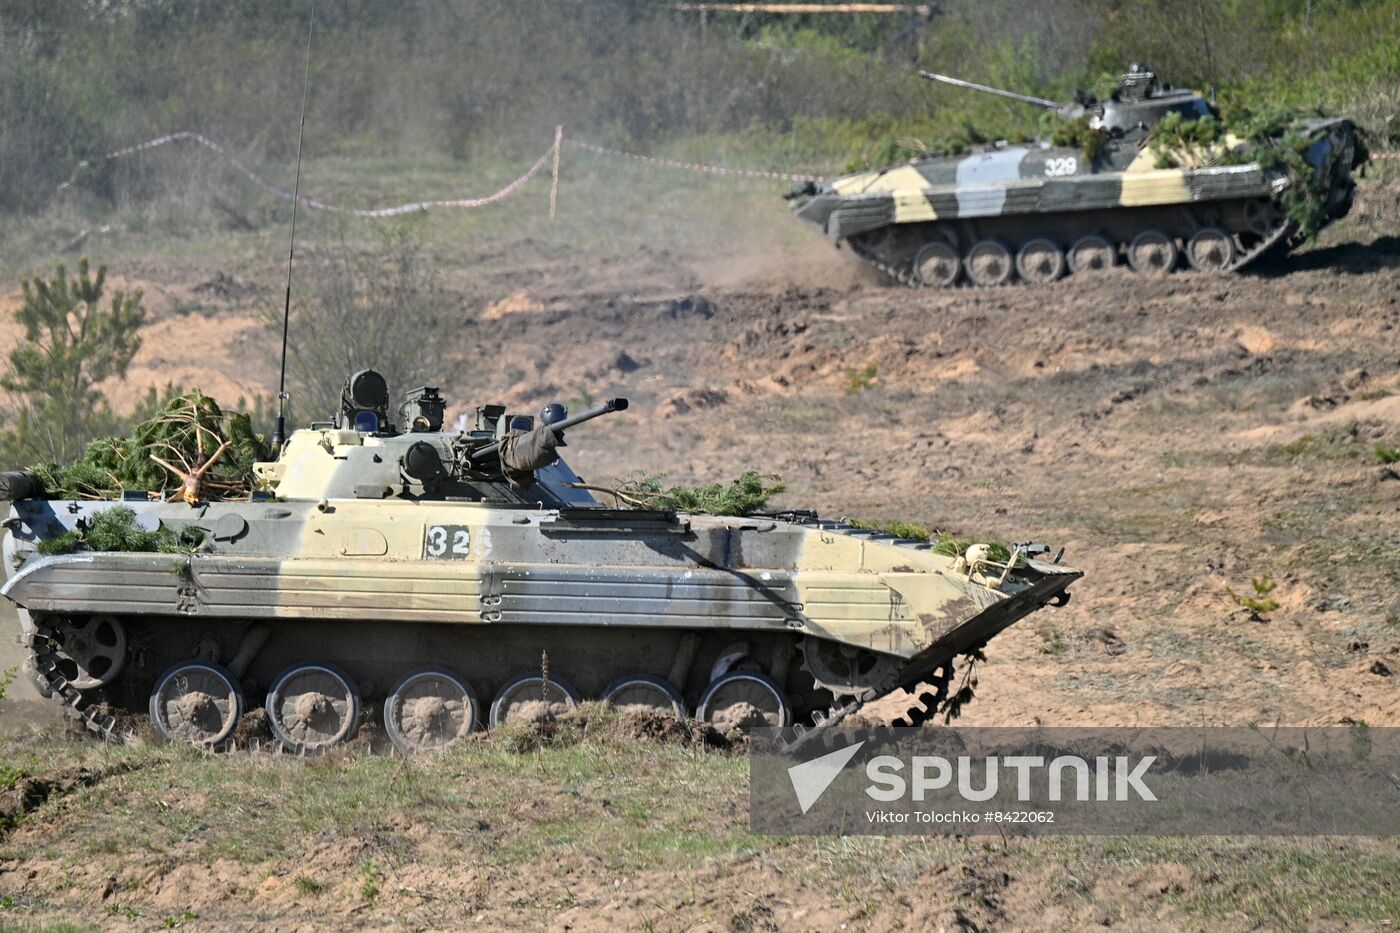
(279, 434)
(1205, 38)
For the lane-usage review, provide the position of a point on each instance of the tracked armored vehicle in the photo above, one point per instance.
(452, 580)
(1037, 211)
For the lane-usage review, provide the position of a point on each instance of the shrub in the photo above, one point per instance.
(859, 380)
(1261, 603)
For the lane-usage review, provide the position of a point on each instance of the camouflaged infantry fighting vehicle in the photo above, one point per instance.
(1037, 211)
(457, 579)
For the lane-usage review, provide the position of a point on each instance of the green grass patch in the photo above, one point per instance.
(1342, 443)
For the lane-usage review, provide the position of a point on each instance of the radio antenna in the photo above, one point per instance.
(1205, 38)
(279, 434)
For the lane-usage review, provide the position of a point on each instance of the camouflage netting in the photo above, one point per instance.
(191, 450)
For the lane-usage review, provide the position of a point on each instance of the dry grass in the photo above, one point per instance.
(360, 839)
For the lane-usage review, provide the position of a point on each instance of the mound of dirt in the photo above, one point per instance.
(30, 792)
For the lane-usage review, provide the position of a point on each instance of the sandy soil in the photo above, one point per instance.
(1180, 437)
(1177, 436)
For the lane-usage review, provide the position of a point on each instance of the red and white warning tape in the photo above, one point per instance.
(552, 154)
(689, 166)
(285, 195)
(413, 207)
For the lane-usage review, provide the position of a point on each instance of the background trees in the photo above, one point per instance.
(72, 343)
(468, 78)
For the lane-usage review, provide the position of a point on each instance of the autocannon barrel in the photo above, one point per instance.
(611, 405)
(1023, 98)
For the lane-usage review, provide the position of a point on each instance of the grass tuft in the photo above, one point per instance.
(308, 885)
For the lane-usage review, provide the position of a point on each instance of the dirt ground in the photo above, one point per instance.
(1191, 441)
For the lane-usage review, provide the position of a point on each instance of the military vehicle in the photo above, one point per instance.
(1037, 211)
(460, 579)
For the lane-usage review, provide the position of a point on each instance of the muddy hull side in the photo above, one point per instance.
(975, 633)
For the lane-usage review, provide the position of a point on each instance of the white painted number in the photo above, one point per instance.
(1066, 166)
(447, 542)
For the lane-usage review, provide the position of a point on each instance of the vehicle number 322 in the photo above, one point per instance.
(447, 542)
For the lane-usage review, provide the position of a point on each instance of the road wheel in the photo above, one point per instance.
(531, 698)
(647, 693)
(313, 707)
(989, 263)
(937, 264)
(430, 709)
(1210, 249)
(744, 700)
(1092, 253)
(197, 703)
(1040, 260)
(1152, 252)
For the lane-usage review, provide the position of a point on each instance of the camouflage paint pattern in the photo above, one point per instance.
(1040, 178)
(361, 556)
(1017, 193)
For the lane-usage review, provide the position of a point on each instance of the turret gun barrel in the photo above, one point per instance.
(608, 407)
(1023, 98)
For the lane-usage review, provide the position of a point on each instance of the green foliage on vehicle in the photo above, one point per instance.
(744, 496)
(943, 542)
(115, 529)
(185, 433)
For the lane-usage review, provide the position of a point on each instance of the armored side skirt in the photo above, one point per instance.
(845, 215)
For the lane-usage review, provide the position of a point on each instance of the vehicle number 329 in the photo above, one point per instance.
(1066, 166)
(447, 542)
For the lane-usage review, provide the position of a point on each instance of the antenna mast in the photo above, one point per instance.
(279, 434)
(1205, 38)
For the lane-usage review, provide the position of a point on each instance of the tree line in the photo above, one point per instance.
(465, 77)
